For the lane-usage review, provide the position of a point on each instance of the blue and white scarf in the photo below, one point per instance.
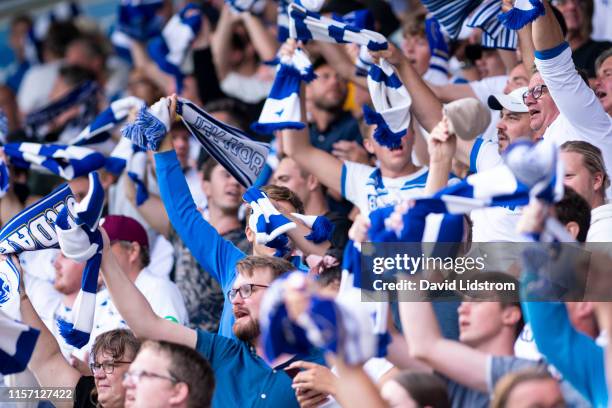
(245, 6)
(306, 25)
(330, 325)
(30, 230)
(136, 171)
(523, 13)
(4, 178)
(242, 157)
(84, 94)
(265, 221)
(451, 13)
(170, 48)
(282, 107)
(100, 129)
(16, 345)
(80, 240)
(361, 19)
(65, 161)
(494, 33)
(4, 129)
(320, 226)
(282, 21)
(391, 102)
(139, 19)
(438, 47)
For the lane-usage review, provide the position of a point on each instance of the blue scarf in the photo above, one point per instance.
(139, 19)
(68, 162)
(16, 345)
(80, 240)
(84, 94)
(282, 107)
(170, 48)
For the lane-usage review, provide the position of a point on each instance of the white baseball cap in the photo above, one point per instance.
(512, 101)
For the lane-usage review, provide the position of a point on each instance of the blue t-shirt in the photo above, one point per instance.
(214, 253)
(345, 127)
(243, 379)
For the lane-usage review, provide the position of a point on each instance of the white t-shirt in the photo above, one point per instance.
(492, 224)
(365, 187)
(601, 224)
(485, 88)
(581, 116)
(36, 86)
(249, 89)
(602, 29)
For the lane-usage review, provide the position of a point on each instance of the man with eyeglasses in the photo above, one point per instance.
(165, 374)
(243, 377)
(561, 105)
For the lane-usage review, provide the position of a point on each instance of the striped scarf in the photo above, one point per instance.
(16, 344)
(80, 240)
(65, 161)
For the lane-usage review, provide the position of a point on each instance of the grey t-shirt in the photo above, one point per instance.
(497, 367)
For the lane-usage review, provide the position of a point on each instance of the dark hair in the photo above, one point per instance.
(278, 193)
(509, 382)
(74, 75)
(424, 388)
(189, 367)
(145, 255)
(506, 298)
(21, 19)
(574, 208)
(208, 167)
(278, 266)
(234, 108)
(414, 24)
(329, 276)
(94, 45)
(58, 37)
(318, 62)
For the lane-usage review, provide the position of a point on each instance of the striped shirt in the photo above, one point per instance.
(365, 186)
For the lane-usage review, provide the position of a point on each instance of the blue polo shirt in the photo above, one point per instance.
(345, 127)
(242, 378)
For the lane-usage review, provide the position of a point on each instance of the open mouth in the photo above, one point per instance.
(601, 94)
(399, 148)
(533, 112)
(239, 313)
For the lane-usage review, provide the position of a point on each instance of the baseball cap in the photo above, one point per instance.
(122, 228)
(512, 101)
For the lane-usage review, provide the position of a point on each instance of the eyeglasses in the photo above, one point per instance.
(536, 92)
(245, 291)
(107, 366)
(136, 376)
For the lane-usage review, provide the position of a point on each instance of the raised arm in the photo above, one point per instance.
(134, 307)
(221, 42)
(426, 107)
(152, 210)
(456, 361)
(47, 362)
(575, 100)
(263, 41)
(214, 253)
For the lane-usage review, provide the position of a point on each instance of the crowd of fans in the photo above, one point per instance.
(178, 309)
